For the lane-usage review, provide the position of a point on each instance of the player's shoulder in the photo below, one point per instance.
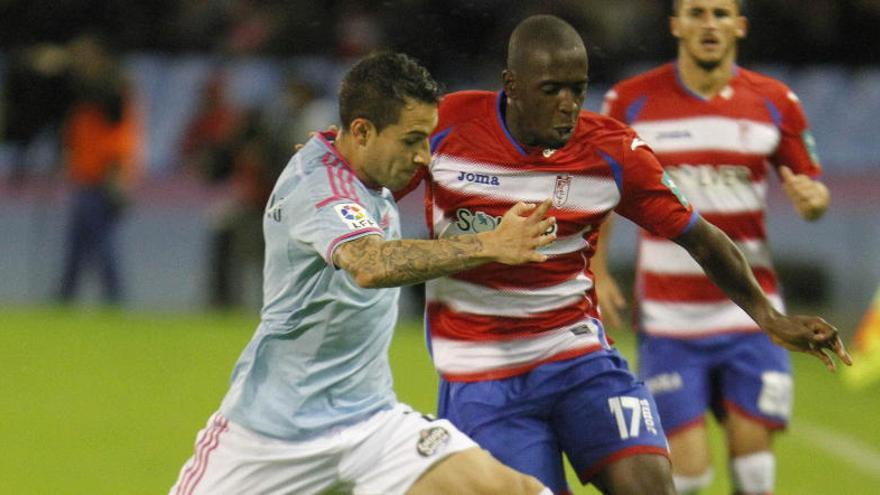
(462, 106)
(605, 134)
(596, 129)
(766, 86)
(657, 77)
(306, 173)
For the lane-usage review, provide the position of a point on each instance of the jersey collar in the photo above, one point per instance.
(684, 87)
(500, 112)
(328, 138)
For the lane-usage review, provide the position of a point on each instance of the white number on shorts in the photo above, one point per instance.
(776, 394)
(638, 409)
(617, 405)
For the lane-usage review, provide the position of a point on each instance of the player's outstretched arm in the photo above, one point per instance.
(727, 267)
(374, 262)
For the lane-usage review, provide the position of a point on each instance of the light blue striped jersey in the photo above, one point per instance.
(319, 357)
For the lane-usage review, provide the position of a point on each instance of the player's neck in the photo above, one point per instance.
(705, 82)
(512, 121)
(350, 151)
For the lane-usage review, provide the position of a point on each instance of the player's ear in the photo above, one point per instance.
(742, 27)
(508, 79)
(673, 26)
(362, 129)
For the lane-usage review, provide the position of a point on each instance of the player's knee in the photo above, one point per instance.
(690, 485)
(638, 475)
(754, 473)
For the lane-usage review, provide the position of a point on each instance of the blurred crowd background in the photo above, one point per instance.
(139, 140)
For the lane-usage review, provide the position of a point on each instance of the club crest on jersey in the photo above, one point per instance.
(560, 191)
(354, 216)
(431, 440)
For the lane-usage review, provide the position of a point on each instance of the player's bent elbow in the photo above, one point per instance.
(366, 279)
(373, 278)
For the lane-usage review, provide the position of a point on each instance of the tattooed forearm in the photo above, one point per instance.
(377, 263)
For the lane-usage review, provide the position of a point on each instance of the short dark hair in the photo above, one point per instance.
(676, 5)
(540, 33)
(376, 88)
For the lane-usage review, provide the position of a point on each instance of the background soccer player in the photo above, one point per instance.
(311, 409)
(526, 368)
(715, 127)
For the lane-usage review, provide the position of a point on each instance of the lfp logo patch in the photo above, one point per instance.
(354, 216)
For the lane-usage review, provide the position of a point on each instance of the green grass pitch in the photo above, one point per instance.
(110, 403)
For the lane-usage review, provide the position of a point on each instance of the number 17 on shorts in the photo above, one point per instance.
(631, 414)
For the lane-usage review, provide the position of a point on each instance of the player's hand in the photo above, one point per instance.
(611, 299)
(809, 197)
(522, 230)
(809, 334)
(330, 128)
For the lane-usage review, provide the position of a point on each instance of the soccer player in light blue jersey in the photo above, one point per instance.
(311, 407)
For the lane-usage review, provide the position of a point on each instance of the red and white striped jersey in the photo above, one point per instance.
(497, 321)
(718, 152)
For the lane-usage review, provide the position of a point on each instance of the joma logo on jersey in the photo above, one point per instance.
(489, 180)
(679, 134)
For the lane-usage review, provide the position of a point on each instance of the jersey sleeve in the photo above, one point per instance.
(325, 220)
(649, 196)
(797, 148)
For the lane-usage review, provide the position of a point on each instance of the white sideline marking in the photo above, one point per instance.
(854, 452)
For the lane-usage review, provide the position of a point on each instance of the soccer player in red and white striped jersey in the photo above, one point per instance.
(718, 130)
(526, 367)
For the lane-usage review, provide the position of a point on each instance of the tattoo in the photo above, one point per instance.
(403, 262)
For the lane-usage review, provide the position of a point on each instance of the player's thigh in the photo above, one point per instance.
(689, 450)
(637, 475)
(400, 446)
(757, 388)
(745, 435)
(509, 425)
(677, 372)
(474, 472)
(608, 418)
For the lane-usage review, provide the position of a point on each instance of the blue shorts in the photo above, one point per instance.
(590, 407)
(744, 372)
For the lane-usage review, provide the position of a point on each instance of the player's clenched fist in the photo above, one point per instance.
(809, 334)
(810, 197)
(522, 230)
